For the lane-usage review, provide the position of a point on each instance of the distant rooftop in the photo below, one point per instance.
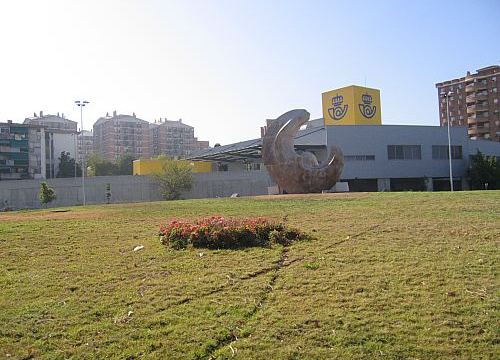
(40, 118)
(311, 137)
(119, 117)
(490, 70)
(171, 123)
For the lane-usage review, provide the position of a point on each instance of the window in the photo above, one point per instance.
(359, 157)
(440, 152)
(404, 152)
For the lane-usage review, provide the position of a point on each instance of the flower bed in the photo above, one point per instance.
(217, 232)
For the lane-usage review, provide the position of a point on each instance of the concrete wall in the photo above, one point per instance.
(23, 194)
(373, 140)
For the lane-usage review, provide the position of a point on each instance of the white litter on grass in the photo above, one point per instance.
(139, 247)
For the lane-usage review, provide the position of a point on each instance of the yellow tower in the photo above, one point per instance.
(352, 105)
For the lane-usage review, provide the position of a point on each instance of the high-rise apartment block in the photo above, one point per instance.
(474, 102)
(60, 135)
(174, 139)
(85, 145)
(21, 149)
(33, 149)
(119, 135)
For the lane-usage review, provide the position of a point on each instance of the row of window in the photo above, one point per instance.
(414, 152)
(411, 152)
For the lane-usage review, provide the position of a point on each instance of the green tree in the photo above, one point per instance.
(175, 178)
(100, 166)
(484, 172)
(67, 166)
(46, 194)
(125, 165)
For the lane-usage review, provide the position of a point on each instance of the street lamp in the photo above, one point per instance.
(81, 104)
(446, 95)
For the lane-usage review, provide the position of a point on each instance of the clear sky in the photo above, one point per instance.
(226, 66)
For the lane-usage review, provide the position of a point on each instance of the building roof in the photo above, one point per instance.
(251, 149)
(119, 117)
(469, 76)
(48, 118)
(173, 123)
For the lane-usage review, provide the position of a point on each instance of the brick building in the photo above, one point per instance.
(174, 139)
(85, 145)
(474, 102)
(119, 135)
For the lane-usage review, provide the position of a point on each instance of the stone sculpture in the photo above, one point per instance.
(297, 172)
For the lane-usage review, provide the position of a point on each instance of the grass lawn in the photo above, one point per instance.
(388, 275)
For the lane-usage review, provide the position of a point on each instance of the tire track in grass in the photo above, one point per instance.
(227, 339)
(234, 282)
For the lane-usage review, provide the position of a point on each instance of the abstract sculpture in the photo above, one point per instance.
(297, 172)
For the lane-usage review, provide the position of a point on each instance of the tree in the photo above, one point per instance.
(67, 166)
(125, 165)
(100, 166)
(175, 178)
(46, 194)
(484, 172)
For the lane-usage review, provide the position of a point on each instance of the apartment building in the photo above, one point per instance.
(474, 102)
(174, 139)
(60, 135)
(117, 135)
(21, 149)
(85, 145)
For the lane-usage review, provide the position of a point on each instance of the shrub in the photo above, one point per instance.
(46, 194)
(217, 232)
(174, 178)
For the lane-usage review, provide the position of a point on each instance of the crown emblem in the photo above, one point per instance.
(367, 99)
(338, 100)
(366, 108)
(338, 111)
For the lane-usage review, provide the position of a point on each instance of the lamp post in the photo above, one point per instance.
(446, 96)
(81, 104)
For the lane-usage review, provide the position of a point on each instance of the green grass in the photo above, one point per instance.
(388, 275)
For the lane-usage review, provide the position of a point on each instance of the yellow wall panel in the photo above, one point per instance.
(146, 167)
(352, 105)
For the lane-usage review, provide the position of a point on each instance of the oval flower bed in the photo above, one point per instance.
(217, 232)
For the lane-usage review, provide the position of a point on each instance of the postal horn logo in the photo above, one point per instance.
(337, 112)
(367, 109)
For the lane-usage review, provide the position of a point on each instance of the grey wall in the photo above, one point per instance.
(373, 140)
(23, 194)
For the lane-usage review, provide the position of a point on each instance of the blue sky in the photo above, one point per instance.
(226, 66)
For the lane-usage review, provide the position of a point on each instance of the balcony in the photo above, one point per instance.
(482, 106)
(470, 98)
(472, 131)
(471, 120)
(470, 88)
(483, 95)
(481, 85)
(483, 130)
(471, 109)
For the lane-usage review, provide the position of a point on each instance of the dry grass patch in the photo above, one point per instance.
(388, 275)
